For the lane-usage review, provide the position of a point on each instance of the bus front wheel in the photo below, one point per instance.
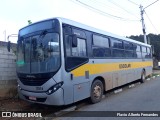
(96, 91)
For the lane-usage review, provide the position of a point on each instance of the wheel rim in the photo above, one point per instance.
(97, 92)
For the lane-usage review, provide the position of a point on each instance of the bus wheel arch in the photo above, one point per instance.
(97, 90)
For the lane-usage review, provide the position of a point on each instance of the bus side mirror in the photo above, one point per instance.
(9, 46)
(74, 41)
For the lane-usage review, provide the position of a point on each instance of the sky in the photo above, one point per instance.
(121, 17)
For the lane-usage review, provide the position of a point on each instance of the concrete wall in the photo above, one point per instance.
(8, 79)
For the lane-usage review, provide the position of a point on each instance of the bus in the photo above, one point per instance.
(60, 62)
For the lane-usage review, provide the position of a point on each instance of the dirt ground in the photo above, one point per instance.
(21, 106)
(13, 104)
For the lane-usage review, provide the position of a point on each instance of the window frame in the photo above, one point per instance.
(116, 39)
(69, 60)
(93, 46)
(149, 54)
(128, 50)
(119, 49)
(77, 48)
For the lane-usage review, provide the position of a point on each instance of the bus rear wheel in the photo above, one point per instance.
(143, 76)
(96, 91)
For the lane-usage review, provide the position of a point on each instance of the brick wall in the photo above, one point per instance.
(8, 84)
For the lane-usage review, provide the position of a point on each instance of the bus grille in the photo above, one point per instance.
(31, 82)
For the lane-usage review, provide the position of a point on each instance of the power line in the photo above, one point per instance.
(142, 1)
(122, 8)
(104, 13)
(102, 5)
(151, 4)
(133, 3)
(97, 10)
(151, 22)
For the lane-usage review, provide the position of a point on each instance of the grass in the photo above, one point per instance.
(154, 74)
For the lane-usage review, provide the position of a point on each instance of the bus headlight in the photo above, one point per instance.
(54, 88)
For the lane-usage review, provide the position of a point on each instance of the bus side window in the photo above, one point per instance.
(68, 45)
(75, 55)
(128, 49)
(144, 52)
(137, 51)
(117, 48)
(80, 50)
(67, 30)
(101, 46)
(149, 55)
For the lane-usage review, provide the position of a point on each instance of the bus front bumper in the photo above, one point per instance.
(55, 98)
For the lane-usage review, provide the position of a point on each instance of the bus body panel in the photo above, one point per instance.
(112, 74)
(81, 91)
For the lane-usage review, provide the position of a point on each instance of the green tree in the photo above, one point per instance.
(29, 22)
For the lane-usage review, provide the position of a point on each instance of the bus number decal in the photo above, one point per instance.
(121, 66)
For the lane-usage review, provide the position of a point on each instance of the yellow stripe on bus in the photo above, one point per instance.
(108, 67)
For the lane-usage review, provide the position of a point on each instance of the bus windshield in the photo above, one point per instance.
(39, 53)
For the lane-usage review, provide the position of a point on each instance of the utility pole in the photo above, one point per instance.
(149, 41)
(142, 19)
(143, 25)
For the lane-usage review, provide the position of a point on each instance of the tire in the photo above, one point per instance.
(96, 91)
(143, 76)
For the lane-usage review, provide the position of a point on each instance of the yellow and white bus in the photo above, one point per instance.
(60, 62)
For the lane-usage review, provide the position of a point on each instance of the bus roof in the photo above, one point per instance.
(86, 27)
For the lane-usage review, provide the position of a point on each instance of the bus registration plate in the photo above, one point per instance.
(32, 98)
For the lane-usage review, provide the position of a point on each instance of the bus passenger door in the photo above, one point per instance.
(75, 63)
(80, 73)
